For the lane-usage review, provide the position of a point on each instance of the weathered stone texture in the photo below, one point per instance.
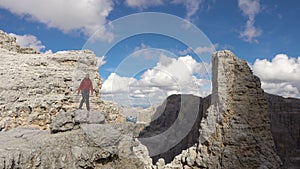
(285, 118)
(39, 90)
(242, 137)
(235, 132)
(35, 87)
(9, 43)
(89, 145)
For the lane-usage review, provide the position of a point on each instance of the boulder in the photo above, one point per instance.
(70, 120)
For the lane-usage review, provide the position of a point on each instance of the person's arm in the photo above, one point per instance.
(91, 87)
(79, 88)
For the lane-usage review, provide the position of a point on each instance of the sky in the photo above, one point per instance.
(150, 49)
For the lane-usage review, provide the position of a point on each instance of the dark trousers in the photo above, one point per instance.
(85, 98)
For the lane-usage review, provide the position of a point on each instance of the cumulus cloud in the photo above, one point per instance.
(279, 76)
(250, 8)
(143, 3)
(169, 76)
(86, 16)
(29, 41)
(284, 89)
(280, 68)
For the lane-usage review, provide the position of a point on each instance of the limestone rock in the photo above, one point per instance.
(236, 131)
(103, 135)
(113, 112)
(9, 43)
(285, 124)
(65, 121)
(160, 163)
(35, 87)
(39, 90)
(80, 148)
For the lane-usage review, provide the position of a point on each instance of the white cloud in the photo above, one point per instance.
(116, 84)
(206, 49)
(279, 76)
(199, 50)
(86, 16)
(101, 61)
(250, 8)
(29, 41)
(281, 68)
(191, 6)
(169, 76)
(284, 89)
(141, 47)
(143, 3)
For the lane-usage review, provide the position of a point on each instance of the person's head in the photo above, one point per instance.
(87, 76)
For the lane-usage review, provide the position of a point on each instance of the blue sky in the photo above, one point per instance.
(265, 33)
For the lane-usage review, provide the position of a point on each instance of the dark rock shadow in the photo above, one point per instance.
(285, 127)
(174, 126)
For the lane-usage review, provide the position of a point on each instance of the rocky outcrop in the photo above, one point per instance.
(285, 118)
(65, 121)
(34, 88)
(90, 145)
(9, 43)
(113, 112)
(40, 91)
(235, 132)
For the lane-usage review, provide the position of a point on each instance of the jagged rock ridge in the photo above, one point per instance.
(35, 87)
(285, 118)
(9, 43)
(39, 92)
(234, 133)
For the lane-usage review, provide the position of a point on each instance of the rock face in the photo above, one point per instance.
(285, 118)
(90, 145)
(229, 129)
(235, 132)
(9, 43)
(35, 87)
(174, 111)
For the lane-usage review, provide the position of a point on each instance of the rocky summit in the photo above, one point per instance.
(237, 126)
(35, 87)
(235, 130)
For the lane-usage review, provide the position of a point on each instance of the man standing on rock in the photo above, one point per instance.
(85, 87)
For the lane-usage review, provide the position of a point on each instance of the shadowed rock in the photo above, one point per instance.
(285, 118)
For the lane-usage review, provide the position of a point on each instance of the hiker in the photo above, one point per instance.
(85, 87)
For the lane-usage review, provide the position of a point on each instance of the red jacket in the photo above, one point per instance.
(86, 84)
